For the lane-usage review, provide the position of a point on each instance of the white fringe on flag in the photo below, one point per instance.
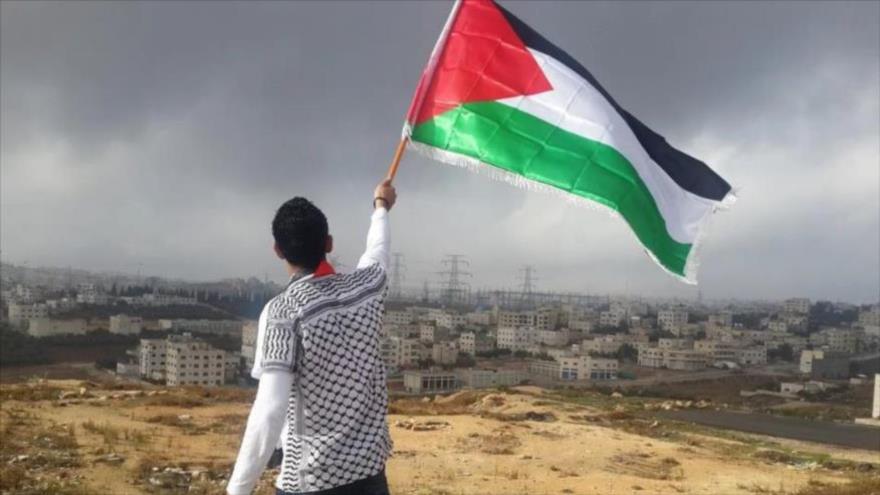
(692, 263)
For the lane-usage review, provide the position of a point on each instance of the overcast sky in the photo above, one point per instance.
(168, 133)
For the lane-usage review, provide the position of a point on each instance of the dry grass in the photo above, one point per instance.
(863, 486)
(458, 403)
(30, 392)
(499, 442)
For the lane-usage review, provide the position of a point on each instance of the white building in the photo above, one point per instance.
(553, 338)
(448, 319)
(751, 356)
(484, 318)
(723, 319)
(430, 333)
(398, 317)
(126, 325)
(152, 356)
(90, 294)
(444, 353)
(429, 381)
(870, 317)
(602, 344)
(249, 343)
(875, 410)
(229, 327)
(587, 368)
(613, 317)
(516, 338)
(672, 320)
(541, 319)
(20, 313)
(46, 327)
(842, 340)
(807, 358)
(797, 306)
(477, 378)
(192, 362)
(156, 299)
(404, 352)
(674, 359)
(472, 343)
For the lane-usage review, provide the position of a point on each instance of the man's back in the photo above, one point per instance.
(326, 331)
(319, 365)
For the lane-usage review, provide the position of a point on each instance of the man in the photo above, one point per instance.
(319, 365)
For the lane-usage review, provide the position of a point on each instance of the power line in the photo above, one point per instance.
(527, 286)
(455, 289)
(398, 268)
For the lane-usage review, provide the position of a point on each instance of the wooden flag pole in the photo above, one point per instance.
(395, 162)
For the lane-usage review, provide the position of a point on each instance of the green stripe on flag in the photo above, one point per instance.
(525, 145)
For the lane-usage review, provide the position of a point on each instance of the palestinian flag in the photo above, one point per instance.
(499, 98)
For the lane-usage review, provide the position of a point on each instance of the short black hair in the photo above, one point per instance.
(300, 231)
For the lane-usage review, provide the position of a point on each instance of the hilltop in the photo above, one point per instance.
(77, 437)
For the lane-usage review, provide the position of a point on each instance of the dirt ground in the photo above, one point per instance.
(109, 439)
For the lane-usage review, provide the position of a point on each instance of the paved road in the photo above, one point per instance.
(847, 435)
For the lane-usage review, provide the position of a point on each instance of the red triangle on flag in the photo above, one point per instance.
(483, 59)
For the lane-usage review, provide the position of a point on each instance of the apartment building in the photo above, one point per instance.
(797, 306)
(473, 343)
(546, 370)
(541, 319)
(20, 313)
(404, 352)
(126, 325)
(587, 368)
(398, 317)
(602, 344)
(230, 327)
(516, 338)
(91, 294)
(651, 357)
(249, 343)
(672, 358)
(444, 352)
(190, 361)
(449, 319)
(841, 340)
(430, 333)
(47, 327)
(430, 381)
(484, 318)
(723, 319)
(684, 359)
(483, 378)
(672, 320)
(870, 317)
(751, 356)
(612, 317)
(807, 357)
(152, 357)
(553, 337)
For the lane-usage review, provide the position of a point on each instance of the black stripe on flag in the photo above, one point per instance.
(688, 172)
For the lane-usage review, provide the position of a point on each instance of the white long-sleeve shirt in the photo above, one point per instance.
(317, 359)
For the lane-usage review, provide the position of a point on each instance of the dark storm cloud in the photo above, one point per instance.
(166, 133)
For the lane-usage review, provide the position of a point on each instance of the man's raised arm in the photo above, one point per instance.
(378, 237)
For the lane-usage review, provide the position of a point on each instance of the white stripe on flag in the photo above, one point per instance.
(576, 106)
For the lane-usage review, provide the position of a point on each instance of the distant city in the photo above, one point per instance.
(451, 337)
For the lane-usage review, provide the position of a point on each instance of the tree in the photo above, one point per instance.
(783, 353)
(627, 353)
